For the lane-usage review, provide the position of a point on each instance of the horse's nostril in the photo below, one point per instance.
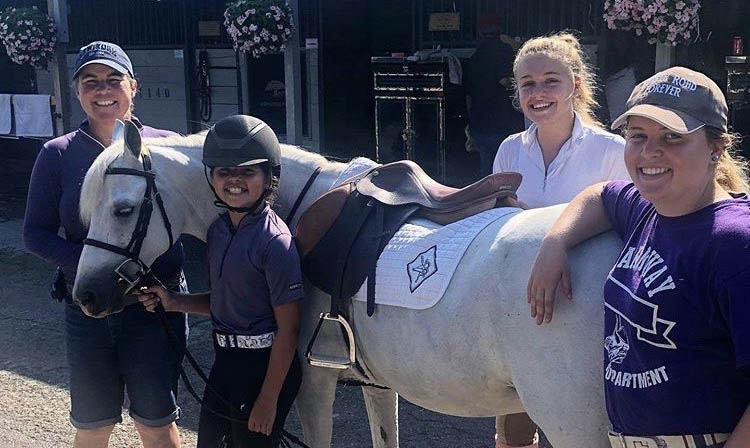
(88, 298)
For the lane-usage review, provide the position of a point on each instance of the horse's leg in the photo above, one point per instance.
(515, 430)
(315, 404)
(382, 413)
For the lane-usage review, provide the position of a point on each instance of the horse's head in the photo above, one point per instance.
(117, 204)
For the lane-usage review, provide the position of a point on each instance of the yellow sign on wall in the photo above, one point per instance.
(445, 21)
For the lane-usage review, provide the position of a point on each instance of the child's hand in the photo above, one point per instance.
(549, 277)
(152, 296)
(262, 416)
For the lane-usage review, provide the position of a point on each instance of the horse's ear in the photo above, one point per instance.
(132, 139)
(118, 132)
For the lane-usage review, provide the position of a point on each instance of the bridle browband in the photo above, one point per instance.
(133, 250)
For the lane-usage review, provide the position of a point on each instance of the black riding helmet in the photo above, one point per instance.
(242, 140)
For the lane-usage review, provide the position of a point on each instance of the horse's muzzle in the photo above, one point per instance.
(99, 293)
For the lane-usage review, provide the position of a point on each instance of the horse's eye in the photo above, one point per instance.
(123, 212)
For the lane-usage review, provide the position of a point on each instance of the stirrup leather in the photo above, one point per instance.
(332, 361)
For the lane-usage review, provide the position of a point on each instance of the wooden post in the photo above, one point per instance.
(293, 81)
(58, 10)
(665, 56)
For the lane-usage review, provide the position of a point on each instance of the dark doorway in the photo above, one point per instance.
(266, 90)
(352, 31)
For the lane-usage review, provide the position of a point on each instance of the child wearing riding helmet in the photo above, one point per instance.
(564, 151)
(256, 285)
(677, 315)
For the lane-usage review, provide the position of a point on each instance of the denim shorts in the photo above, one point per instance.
(129, 350)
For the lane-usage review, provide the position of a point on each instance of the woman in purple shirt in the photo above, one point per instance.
(677, 311)
(128, 349)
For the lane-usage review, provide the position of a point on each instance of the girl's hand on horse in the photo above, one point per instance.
(263, 415)
(152, 296)
(550, 276)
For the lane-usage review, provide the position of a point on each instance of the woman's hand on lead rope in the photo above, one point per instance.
(550, 276)
(262, 415)
(150, 297)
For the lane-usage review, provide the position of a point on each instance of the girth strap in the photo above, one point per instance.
(379, 221)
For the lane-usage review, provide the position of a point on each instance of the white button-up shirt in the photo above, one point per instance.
(591, 155)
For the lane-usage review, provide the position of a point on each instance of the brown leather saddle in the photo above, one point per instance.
(342, 234)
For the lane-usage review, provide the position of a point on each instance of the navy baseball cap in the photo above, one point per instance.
(105, 53)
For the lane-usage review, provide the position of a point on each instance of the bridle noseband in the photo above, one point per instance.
(133, 270)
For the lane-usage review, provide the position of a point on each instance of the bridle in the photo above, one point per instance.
(133, 270)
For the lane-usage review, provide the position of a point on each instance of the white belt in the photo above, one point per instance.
(690, 441)
(244, 341)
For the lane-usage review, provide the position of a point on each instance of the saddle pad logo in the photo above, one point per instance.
(422, 268)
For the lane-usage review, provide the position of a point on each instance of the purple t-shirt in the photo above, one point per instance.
(54, 193)
(252, 269)
(677, 317)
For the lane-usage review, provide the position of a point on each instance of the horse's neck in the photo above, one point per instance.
(189, 193)
(297, 169)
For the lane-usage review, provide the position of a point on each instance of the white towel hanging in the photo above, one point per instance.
(33, 117)
(5, 120)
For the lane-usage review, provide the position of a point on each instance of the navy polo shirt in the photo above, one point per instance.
(252, 268)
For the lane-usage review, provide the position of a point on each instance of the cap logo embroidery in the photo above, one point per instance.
(670, 85)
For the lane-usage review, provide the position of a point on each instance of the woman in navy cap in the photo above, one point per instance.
(677, 305)
(128, 349)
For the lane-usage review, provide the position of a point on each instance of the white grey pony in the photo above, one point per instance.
(476, 353)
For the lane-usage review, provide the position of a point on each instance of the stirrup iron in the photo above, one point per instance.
(332, 361)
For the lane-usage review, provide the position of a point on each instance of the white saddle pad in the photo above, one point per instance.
(418, 263)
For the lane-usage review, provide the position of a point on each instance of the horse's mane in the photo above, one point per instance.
(295, 154)
(167, 147)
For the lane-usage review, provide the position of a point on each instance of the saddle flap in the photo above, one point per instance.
(319, 217)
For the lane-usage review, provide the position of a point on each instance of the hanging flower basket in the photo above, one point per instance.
(28, 35)
(259, 27)
(667, 21)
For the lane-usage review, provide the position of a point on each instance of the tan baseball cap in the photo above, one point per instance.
(680, 99)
